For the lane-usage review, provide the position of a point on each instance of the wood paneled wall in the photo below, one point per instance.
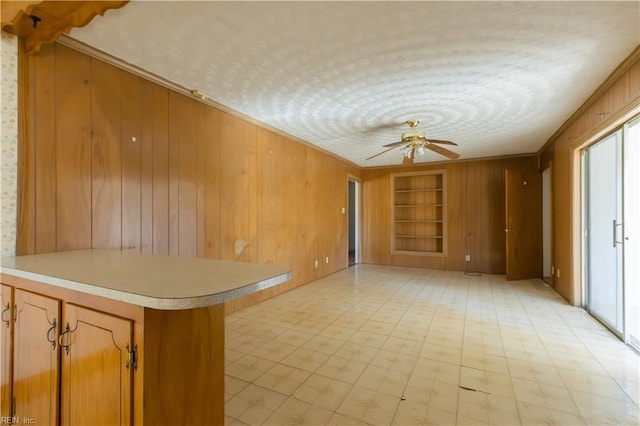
(116, 161)
(475, 210)
(618, 95)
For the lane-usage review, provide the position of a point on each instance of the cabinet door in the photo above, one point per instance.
(35, 372)
(6, 340)
(96, 375)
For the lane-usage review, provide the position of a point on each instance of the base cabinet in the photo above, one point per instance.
(69, 358)
(77, 374)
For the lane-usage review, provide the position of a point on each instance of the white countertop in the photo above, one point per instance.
(152, 281)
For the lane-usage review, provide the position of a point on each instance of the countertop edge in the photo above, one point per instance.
(149, 301)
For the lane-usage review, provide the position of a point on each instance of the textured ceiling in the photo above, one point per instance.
(498, 78)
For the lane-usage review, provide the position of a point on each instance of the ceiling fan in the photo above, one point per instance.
(415, 144)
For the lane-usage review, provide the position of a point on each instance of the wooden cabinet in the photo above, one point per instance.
(6, 350)
(35, 366)
(80, 359)
(80, 373)
(418, 213)
(96, 368)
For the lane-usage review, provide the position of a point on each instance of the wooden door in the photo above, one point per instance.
(96, 376)
(6, 351)
(523, 224)
(35, 372)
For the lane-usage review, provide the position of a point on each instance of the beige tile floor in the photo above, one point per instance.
(383, 345)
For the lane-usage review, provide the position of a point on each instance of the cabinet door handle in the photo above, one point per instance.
(66, 331)
(50, 340)
(4, 311)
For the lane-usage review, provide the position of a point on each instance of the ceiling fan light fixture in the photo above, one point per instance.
(405, 151)
(420, 150)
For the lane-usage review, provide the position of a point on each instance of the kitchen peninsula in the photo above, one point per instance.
(119, 337)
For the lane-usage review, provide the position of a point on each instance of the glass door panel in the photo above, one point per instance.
(604, 249)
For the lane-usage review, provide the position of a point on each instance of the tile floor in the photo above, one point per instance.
(384, 345)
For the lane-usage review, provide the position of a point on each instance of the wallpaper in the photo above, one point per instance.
(9, 147)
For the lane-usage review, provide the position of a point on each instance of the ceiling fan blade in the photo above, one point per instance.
(441, 142)
(395, 144)
(380, 153)
(442, 151)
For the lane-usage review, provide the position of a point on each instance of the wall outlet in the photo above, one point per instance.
(558, 273)
(326, 259)
(467, 258)
(316, 264)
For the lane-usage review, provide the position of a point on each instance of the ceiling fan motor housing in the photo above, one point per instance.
(412, 135)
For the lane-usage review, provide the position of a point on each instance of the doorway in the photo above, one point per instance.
(611, 208)
(353, 226)
(523, 224)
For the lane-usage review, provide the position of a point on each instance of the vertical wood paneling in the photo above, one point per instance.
(185, 133)
(25, 220)
(73, 150)
(561, 215)
(201, 177)
(43, 134)
(474, 196)
(175, 135)
(136, 173)
(633, 82)
(246, 220)
(211, 130)
(146, 122)
(316, 198)
(228, 156)
(26, 203)
(238, 189)
(160, 134)
(291, 166)
(270, 196)
(106, 206)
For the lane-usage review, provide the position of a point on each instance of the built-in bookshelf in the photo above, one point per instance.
(418, 213)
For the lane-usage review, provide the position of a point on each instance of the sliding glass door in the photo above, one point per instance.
(603, 219)
(611, 207)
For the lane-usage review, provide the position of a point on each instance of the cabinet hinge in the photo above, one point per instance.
(15, 313)
(132, 357)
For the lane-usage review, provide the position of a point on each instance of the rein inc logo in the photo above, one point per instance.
(17, 421)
